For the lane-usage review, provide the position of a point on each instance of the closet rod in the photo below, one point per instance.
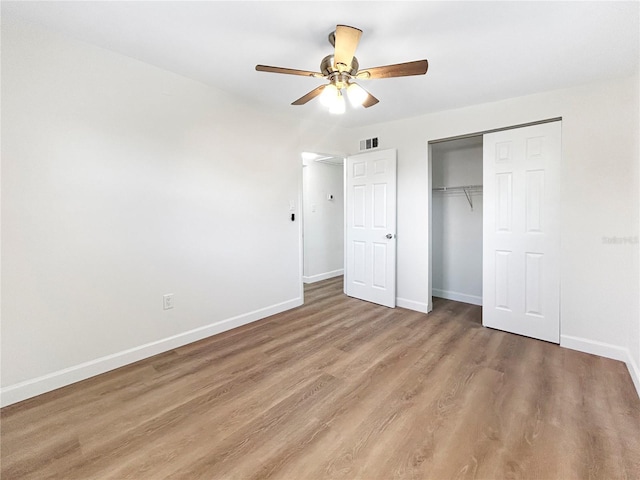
(461, 187)
(467, 189)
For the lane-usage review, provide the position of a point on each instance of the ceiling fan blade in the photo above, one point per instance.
(419, 67)
(288, 71)
(370, 101)
(309, 96)
(358, 95)
(346, 42)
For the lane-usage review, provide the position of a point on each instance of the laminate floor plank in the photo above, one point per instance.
(338, 389)
(237, 414)
(241, 408)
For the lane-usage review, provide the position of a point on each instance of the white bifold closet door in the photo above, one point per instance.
(521, 231)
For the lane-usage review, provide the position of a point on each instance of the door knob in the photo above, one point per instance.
(389, 236)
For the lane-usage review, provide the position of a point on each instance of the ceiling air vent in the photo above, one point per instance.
(369, 143)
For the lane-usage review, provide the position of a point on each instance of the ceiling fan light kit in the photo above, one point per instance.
(357, 95)
(341, 68)
(328, 95)
(338, 105)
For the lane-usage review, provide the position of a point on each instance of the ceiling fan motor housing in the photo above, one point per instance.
(327, 67)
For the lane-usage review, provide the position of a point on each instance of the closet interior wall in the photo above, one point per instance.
(457, 219)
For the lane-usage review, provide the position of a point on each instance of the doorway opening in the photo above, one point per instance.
(456, 220)
(322, 216)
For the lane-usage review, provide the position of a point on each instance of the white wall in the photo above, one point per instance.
(599, 281)
(323, 221)
(122, 182)
(456, 227)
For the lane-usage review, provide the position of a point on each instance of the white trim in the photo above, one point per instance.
(301, 233)
(634, 371)
(606, 350)
(344, 224)
(594, 347)
(458, 297)
(412, 305)
(46, 383)
(322, 276)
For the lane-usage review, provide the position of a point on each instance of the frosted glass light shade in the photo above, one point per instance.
(328, 95)
(357, 95)
(338, 106)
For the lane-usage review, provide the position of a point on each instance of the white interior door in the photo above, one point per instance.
(370, 263)
(521, 231)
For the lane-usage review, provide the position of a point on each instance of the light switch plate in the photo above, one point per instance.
(167, 301)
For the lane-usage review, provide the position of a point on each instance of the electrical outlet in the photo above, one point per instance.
(167, 301)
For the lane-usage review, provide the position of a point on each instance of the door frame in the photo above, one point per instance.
(299, 210)
(430, 191)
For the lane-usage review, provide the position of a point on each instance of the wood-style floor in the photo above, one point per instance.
(339, 389)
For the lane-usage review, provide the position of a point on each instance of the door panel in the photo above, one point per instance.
(521, 239)
(370, 270)
(502, 277)
(503, 202)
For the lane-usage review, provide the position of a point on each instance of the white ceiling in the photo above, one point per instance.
(477, 51)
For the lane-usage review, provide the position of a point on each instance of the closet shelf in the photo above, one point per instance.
(467, 189)
(461, 187)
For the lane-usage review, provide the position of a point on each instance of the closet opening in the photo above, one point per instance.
(456, 173)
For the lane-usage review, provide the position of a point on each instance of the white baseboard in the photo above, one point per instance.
(585, 345)
(634, 371)
(322, 276)
(458, 297)
(46, 383)
(412, 305)
(606, 350)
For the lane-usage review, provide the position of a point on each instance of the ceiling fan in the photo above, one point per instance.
(342, 68)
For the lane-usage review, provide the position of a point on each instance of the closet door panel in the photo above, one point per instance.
(521, 231)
